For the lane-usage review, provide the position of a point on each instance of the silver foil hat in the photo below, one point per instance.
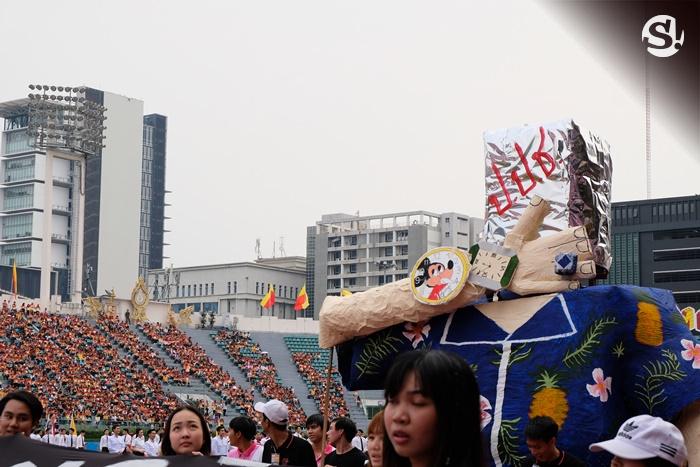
(561, 162)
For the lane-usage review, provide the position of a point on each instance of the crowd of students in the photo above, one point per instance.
(76, 369)
(432, 417)
(196, 362)
(259, 370)
(316, 382)
(141, 352)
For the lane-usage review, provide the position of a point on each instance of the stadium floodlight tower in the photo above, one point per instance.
(65, 125)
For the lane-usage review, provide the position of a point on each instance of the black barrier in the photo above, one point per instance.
(18, 451)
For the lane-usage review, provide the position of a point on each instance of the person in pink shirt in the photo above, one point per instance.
(242, 437)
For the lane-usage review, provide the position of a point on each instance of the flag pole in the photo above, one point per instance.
(326, 407)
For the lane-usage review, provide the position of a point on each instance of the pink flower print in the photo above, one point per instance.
(691, 352)
(485, 416)
(416, 332)
(602, 385)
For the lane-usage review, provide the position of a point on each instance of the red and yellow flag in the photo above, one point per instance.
(302, 302)
(269, 299)
(14, 278)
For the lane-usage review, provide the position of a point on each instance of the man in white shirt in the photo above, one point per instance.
(220, 443)
(115, 442)
(73, 439)
(359, 441)
(80, 441)
(62, 439)
(152, 446)
(35, 436)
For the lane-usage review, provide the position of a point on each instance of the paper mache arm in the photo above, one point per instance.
(363, 313)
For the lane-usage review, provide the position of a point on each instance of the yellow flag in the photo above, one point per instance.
(72, 424)
(345, 293)
(14, 278)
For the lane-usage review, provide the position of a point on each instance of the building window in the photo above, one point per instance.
(17, 226)
(389, 237)
(402, 235)
(212, 288)
(257, 287)
(189, 290)
(447, 234)
(235, 287)
(19, 253)
(200, 289)
(351, 254)
(19, 197)
(389, 251)
(206, 289)
(352, 268)
(229, 288)
(677, 276)
(284, 294)
(403, 250)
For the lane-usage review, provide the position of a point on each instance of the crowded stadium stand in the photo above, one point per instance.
(75, 369)
(312, 364)
(104, 371)
(259, 369)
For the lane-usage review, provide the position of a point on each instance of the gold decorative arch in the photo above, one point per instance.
(139, 300)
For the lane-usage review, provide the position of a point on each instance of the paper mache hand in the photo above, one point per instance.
(535, 272)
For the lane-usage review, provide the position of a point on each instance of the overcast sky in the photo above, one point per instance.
(281, 111)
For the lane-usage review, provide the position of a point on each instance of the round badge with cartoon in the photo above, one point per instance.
(439, 275)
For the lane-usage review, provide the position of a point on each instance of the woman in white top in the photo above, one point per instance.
(103, 441)
(138, 443)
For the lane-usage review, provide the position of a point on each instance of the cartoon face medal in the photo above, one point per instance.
(439, 275)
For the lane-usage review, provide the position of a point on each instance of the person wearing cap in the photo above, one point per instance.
(282, 447)
(541, 439)
(645, 441)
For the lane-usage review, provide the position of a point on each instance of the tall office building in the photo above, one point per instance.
(112, 208)
(155, 129)
(358, 253)
(656, 243)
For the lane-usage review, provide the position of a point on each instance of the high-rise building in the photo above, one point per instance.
(155, 129)
(358, 253)
(656, 243)
(112, 207)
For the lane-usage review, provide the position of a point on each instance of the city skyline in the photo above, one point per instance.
(278, 115)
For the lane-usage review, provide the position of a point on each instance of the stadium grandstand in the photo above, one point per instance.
(105, 371)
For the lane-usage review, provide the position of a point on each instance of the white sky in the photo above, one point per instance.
(281, 111)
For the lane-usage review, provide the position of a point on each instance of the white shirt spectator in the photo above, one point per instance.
(139, 443)
(103, 442)
(152, 448)
(45, 438)
(80, 442)
(219, 446)
(35, 436)
(63, 440)
(116, 444)
(127, 439)
(360, 443)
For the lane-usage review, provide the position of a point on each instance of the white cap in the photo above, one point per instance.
(646, 437)
(275, 410)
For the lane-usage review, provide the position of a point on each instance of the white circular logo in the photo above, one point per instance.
(660, 37)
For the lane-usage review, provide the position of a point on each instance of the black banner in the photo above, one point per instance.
(18, 451)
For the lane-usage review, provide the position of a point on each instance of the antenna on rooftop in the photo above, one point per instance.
(258, 254)
(282, 252)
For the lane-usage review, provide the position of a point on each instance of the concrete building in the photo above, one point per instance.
(656, 243)
(234, 289)
(358, 253)
(109, 256)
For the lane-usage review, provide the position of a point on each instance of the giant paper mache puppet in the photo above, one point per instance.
(589, 357)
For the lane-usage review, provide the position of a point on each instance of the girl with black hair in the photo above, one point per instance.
(186, 433)
(432, 415)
